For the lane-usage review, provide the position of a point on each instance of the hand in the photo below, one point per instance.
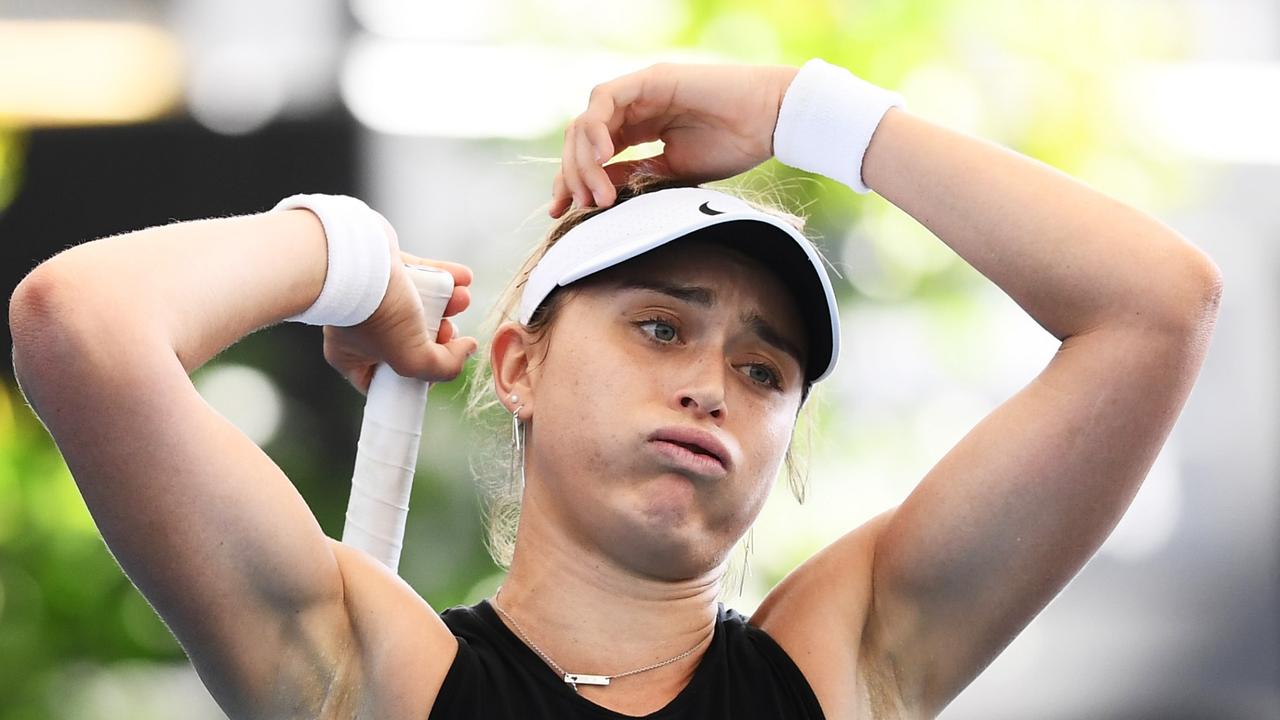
(396, 333)
(715, 121)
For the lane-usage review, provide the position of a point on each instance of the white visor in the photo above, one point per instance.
(649, 220)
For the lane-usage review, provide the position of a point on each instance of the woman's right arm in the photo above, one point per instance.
(207, 527)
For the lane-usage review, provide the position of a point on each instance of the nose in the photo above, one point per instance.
(716, 411)
(703, 391)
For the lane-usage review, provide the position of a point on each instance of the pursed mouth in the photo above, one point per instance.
(694, 445)
(696, 448)
(691, 459)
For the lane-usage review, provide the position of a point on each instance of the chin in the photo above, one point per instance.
(662, 527)
(670, 501)
(668, 546)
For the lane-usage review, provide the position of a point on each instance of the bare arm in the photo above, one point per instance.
(1008, 516)
(1016, 508)
(201, 520)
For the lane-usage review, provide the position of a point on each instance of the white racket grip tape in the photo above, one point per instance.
(390, 433)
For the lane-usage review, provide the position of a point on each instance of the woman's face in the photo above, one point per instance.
(689, 336)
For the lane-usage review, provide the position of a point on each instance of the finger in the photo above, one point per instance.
(459, 301)
(582, 195)
(610, 101)
(602, 119)
(568, 165)
(636, 132)
(462, 275)
(601, 142)
(435, 362)
(603, 124)
(560, 196)
(634, 108)
(447, 331)
(625, 111)
(593, 177)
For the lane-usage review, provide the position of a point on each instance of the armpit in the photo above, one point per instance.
(878, 692)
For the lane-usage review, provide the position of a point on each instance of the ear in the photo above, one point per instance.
(509, 356)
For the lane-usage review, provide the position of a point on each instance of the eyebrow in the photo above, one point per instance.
(693, 294)
(706, 297)
(767, 333)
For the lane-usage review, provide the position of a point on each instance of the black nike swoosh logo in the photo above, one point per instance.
(705, 208)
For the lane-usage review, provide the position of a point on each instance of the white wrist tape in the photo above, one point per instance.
(359, 259)
(827, 117)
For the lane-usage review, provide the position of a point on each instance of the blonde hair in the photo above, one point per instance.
(500, 482)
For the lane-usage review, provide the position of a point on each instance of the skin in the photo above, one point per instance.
(609, 522)
(578, 441)
(892, 619)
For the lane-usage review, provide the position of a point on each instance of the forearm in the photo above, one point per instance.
(1072, 257)
(199, 285)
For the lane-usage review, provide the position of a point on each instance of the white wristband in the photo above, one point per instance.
(359, 259)
(827, 117)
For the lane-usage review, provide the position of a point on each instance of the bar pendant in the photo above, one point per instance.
(573, 679)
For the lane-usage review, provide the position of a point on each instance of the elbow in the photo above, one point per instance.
(40, 317)
(1190, 296)
(31, 306)
(1213, 285)
(1207, 317)
(1207, 296)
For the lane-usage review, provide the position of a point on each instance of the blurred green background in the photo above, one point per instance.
(119, 115)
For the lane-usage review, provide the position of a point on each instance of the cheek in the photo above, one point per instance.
(768, 450)
(584, 398)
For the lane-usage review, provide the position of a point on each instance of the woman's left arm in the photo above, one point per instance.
(1009, 515)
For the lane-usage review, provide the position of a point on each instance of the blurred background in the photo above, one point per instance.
(120, 114)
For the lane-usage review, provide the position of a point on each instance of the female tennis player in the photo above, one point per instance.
(656, 350)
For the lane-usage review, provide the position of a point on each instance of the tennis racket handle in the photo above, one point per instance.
(390, 433)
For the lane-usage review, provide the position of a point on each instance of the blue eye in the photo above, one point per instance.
(663, 331)
(764, 375)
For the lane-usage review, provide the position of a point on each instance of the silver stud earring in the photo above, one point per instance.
(517, 439)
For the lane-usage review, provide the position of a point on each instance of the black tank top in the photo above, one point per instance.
(495, 676)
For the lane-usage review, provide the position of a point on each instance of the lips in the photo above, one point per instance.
(698, 441)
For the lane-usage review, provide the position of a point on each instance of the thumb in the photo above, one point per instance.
(440, 362)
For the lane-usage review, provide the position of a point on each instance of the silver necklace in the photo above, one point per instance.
(575, 679)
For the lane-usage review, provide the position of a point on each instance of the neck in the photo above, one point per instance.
(590, 615)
